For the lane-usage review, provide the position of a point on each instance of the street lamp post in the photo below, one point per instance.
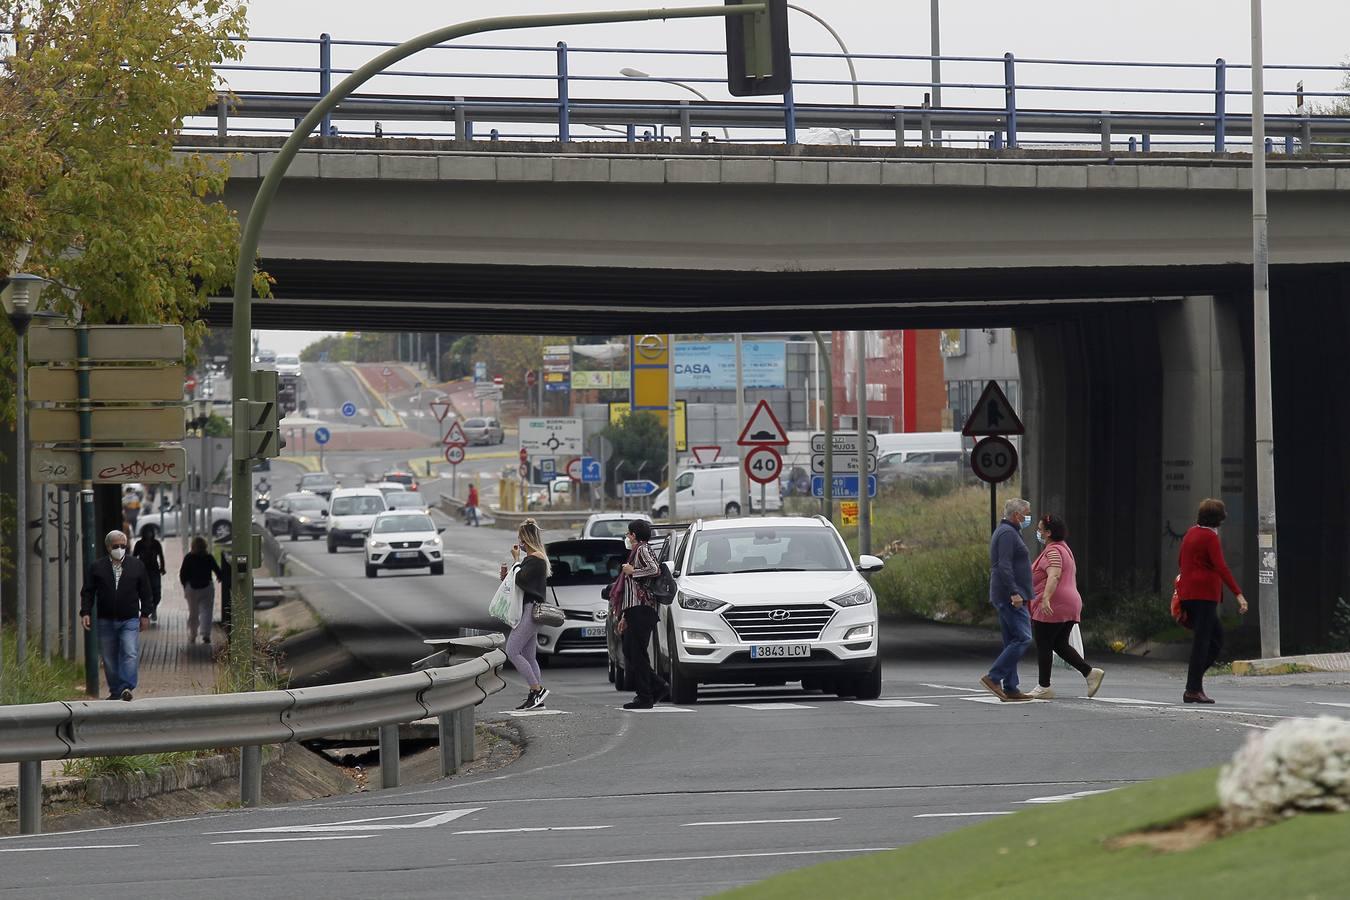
(630, 72)
(848, 57)
(21, 299)
(935, 51)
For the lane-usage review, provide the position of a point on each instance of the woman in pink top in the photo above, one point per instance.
(1057, 607)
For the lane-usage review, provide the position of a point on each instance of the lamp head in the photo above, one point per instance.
(629, 72)
(21, 295)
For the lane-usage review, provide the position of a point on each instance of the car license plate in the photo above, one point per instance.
(406, 554)
(780, 651)
(593, 631)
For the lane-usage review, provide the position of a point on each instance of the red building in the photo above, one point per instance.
(905, 387)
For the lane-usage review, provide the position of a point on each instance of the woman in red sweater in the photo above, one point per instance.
(1203, 576)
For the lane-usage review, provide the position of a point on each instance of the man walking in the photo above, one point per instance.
(1009, 592)
(118, 587)
(471, 506)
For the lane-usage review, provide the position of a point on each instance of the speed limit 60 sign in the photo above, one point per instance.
(993, 460)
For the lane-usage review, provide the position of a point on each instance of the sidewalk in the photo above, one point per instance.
(169, 665)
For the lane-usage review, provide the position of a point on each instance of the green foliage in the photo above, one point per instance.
(218, 426)
(141, 764)
(38, 680)
(90, 102)
(364, 346)
(638, 439)
(269, 670)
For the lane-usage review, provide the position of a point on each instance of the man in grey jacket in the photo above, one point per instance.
(1010, 592)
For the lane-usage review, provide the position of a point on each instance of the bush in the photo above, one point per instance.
(39, 680)
(1123, 612)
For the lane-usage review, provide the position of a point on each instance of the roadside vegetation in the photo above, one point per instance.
(41, 680)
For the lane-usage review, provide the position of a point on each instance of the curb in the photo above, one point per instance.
(1291, 665)
(377, 396)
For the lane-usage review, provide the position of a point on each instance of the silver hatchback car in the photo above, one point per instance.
(483, 430)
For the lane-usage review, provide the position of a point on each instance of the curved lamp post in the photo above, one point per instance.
(848, 57)
(629, 72)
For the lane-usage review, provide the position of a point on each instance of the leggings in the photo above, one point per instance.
(520, 646)
(1053, 637)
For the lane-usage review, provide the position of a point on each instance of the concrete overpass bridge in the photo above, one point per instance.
(1127, 278)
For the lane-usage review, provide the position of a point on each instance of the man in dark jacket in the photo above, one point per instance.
(117, 587)
(1011, 594)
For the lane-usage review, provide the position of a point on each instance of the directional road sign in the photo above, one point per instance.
(440, 409)
(992, 415)
(639, 488)
(763, 428)
(844, 486)
(763, 465)
(322, 435)
(454, 454)
(844, 442)
(548, 468)
(993, 460)
(842, 462)
(480, 371)
(590, 470)
(455, 436)
(155, 465)
(551, 436)
(349, 409)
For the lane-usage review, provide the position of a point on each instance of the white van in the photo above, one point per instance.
(351, 511)
(711, 491)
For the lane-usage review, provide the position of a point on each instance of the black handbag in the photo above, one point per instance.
(661, 587)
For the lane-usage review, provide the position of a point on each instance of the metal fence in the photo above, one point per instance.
(566, 93)
(32, 733)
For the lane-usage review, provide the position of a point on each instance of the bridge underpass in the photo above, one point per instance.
(1132, 309)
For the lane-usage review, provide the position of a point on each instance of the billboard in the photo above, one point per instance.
(711, 366)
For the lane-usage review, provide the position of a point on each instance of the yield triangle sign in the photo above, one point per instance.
(454, 435)
(706, 454)
(763, 428)
(440, 409)
(992, 415)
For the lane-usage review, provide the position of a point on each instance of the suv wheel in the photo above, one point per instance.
(660, 513)
(332, 547)
(683, 689)
(295, 533)
(371, 571)
(868, 685)
(733, 509)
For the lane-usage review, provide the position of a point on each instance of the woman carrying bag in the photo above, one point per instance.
(630, 599)
(528, 583)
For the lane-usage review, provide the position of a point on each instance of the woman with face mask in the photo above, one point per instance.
(629, 600)
(1056, 607)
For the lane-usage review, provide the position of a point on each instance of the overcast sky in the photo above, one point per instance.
(1305, 32)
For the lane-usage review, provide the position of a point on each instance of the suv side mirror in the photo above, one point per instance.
(868, 564)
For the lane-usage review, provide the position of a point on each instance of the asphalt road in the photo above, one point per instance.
(327, 386)
(675, 802)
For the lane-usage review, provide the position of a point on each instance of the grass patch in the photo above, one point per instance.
(141, 764)
(38, 680)
(1061, 851)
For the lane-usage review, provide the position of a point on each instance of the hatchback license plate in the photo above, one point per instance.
(780, 651)
(593, 631)
(406, 554)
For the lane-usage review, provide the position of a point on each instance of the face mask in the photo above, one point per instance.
(628, 542)
(1026, 521)
(1040, 537)
(118, 552)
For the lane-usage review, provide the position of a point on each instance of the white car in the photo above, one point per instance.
(407, 501)
(389, 487)
(403, 540)
(581, 569)
(610, 525)
(768, 600)
(351, 512)
(169, 523)
(287, 365)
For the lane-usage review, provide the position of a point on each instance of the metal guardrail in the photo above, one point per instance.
(33, 733)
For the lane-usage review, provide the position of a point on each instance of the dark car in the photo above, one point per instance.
(661, 546)
(404, 478)
(321, 483)
(297, 514)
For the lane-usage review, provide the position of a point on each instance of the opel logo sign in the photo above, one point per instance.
(780, 615)
(650, 346)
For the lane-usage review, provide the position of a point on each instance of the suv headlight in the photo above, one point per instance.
(433, 542)
(304, 520)
(378, 545)
(853, 598)
(697, 602)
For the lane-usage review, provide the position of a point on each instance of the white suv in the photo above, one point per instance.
(404, 540)
(351, 511)
(768, 600)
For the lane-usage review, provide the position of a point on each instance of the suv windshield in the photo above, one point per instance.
(321, 479)
(767, 549)
(475, 423)
(609, 528)
(585, 561)
(404, 523)
(357, 506)
(405, 500)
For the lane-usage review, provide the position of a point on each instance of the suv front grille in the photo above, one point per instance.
(778, 623)
(405, 545)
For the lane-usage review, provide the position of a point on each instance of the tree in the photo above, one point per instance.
(90, 103)
(512, 355)
(639, 442)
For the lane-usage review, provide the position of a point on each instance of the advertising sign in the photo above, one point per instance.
(558, 368)
(711, 366)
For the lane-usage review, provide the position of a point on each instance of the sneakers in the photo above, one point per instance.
(537, 698)
(1042, 693)
(528, 702)
(126, 694)
(1094, 681)
(993, 687)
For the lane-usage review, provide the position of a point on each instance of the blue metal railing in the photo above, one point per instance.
(1192, 102)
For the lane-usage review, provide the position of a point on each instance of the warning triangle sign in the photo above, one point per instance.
(992, 415)
(763, 428)
(454, 435)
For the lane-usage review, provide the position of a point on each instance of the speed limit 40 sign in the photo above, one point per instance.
(993, 460)
(763, 464)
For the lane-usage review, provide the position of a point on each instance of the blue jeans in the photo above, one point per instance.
(1015, 623)
(120, 645)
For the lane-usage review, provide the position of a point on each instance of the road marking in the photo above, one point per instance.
(655, 709)
(950, 687)
(1126, 700)
(378, 611)
(888, 704)
(658, 859)
(285, 840)
(1254, 725)
(378, 823)
(1061, 798)
(529, 830)
(526, 713)
(960, 815)
(85, 847)
(771, 707)
(1327, 703)
(761, 822)
(998, 702)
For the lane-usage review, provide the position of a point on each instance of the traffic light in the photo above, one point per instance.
(758, 58)
(255, 421)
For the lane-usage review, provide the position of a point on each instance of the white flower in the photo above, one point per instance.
(1299, 765)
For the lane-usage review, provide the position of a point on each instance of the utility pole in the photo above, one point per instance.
(744, 479)
(935, 50)
(828, 499)
(672, 471)
(864, 502)
(1268, 596)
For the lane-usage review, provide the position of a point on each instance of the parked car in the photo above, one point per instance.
(610, 525)
(296, 514)
(321, 483)
(581, 569)
(403, 540)
(923, 465)
(406, 501)
(351, 512)
(556, 492)
(406, 479)
(481, 430)
(767, 600)
(170, 521)
(711, 491)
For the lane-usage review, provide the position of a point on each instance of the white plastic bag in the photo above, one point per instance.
(507, 602)
(1076, 642)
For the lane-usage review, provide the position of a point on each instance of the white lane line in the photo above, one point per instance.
(84, 847)
(1328, 703)
(889, 704)
(1063, 798)
(1254, 725)
(289, 840)
(377, 823)
(951, 687)
(770, 707)
(1125, 700)
(530, 830)
(997, 701)
(526, 713)
(959, 815)
(762, 822)
(655, 709)
(378, 611)
(659, 859)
